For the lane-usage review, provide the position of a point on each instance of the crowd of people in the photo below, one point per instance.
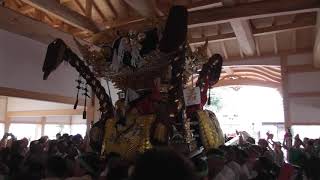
(67, 157)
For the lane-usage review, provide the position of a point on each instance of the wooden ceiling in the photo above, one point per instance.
(235, 28)
(258, 75)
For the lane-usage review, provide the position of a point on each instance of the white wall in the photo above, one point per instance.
(21, 61)
(304, 82)
(304, 110)
(21, 104)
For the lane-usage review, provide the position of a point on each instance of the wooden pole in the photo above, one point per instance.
(285, 93)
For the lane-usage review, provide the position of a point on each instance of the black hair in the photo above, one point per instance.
(118, 170)
(163, 163)
(312, 168)
(201, 167)
(56, 166)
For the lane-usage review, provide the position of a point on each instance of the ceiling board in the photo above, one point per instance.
(285, 41)
(282, 20)
(266, 43)
(225, 28)
(215, 48)
(262, 22)
(232, 48)
(305, 38)
(211, 30)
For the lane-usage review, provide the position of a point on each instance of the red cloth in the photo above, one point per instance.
(286, 172)
(145, 105)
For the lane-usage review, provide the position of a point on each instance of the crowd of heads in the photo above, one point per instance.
(68, 157)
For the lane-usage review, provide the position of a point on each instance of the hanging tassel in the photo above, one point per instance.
(209, 99)
(84, 115)
(77, 101)
(77, 98)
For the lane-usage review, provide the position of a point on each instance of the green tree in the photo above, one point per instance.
(215, 103)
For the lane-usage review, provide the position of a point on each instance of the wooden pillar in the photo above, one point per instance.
(43, 123)
(70, 124)
(285, 93)
(6, 118)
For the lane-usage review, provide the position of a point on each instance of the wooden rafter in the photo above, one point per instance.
(77, 2)
(273, 72)
(275, 43)
(89, 8)
(26, 9)
(65, 14)
(146, 8)
(251, 82)
(225, 14)
(60, 112)
(259, 72)
(224, 50)
(113, 10)
(99, 11)
(204, 4)
(245, 73)
(255, 10)
(301, 24)
(257, 46)
(294, 40)
(12, 21)
(243, 32)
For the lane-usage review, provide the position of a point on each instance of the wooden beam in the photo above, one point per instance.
(6, 118)
(38, 96)
(204, 4)
(226, 14)
(304, 94)
(275, 43)
(64, 1)
(26, 9)
(89, 8)
(145, 8)
(294, 40)
(285, 91)
(301, 24)
(255, 70)
(224, 50)
(78, 3)
(316, 49)
(60, 112)
(302, 68)
(257, 46)
(243, 32)
(255, 10)
(229, 3)
(19, 24)
(99, 11)
(211, 39)
(113, 10)
(249, 82)
(43, 123)
(64, 13)
(228, 70)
